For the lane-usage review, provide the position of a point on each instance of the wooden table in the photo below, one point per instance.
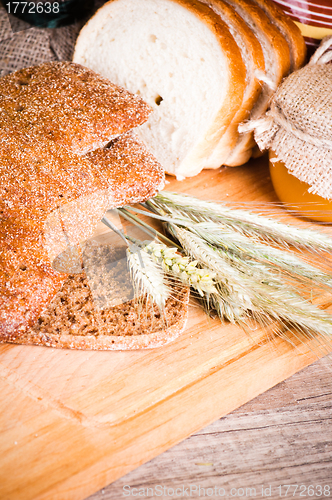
(283, 436)
(74, 421)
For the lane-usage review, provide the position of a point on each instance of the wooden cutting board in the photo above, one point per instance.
(74, 421)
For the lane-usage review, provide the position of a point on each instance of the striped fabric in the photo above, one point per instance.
(314, 18)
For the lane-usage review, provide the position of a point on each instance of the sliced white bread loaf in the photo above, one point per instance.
(289, 30)
(182, 59)
(292, 35)
(277, 65)
(253, 57)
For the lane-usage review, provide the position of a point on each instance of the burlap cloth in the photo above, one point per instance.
(22, 45)
(298, 126)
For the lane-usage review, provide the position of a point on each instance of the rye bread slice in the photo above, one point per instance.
(96, 309)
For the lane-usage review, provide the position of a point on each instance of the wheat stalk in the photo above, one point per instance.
(270, 258)
(230, 262)
(251, 247)
(267, 297)
(243, 221)
(243, 290)
(147, 277)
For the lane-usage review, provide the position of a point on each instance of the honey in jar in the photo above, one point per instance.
(295, 194)
(297, 131)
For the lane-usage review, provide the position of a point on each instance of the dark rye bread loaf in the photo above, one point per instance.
(38, 175)
(96, 309)
(27, 280)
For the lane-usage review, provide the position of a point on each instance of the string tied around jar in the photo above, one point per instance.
(298, 125)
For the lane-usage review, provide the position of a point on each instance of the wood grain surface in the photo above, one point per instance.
(74, 421)
(282, 437)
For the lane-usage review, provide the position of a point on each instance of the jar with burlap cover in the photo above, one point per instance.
(298, 125)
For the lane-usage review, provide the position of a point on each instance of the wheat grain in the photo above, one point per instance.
(183, 268)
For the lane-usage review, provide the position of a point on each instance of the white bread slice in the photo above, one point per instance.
(277, 65)
(289, 30)
(253, 57)
(292, 35)
(182, 59)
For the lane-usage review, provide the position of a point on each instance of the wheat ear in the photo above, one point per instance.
(264, 295)
(243, 221)
(269, 257)
(147, 277)
(182, 268)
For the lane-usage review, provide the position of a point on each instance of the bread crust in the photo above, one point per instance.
(253, 85)
(289, 30)
(39, 176)
(281, 55)
(201, 154)
(77, 108)
(131, 171)
(272, 34)
(112, 342)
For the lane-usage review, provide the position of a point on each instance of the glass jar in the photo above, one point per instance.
(295, 195)
(314, 19)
